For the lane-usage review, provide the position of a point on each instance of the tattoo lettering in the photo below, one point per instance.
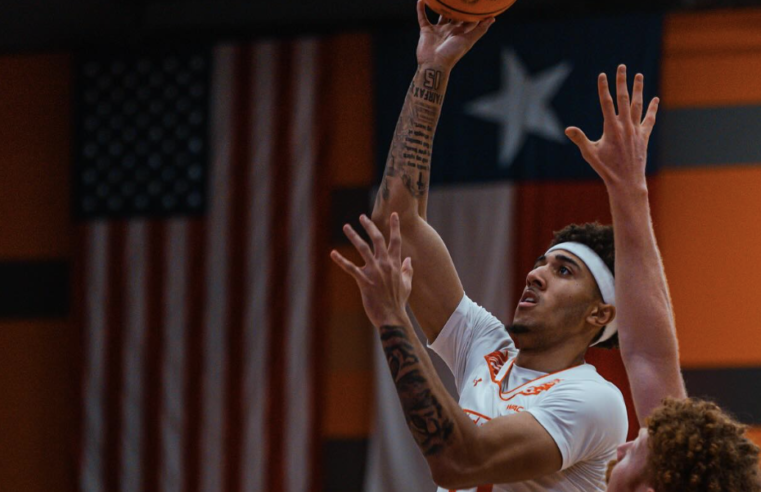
(433, 79)
(422, 410)
(409, 159)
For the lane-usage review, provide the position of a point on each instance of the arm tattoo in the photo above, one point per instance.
(410, 156)
(425, 416)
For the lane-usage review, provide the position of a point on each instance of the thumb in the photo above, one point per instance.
(407, 270)
(577, 136)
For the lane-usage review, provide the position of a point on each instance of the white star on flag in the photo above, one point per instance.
(522, 105)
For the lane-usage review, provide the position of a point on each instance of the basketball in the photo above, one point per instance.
(469, 10)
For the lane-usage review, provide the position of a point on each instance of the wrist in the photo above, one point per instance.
(394, 318)
(444, 68)
(636, 189)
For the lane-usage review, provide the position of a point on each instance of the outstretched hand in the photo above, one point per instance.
(620, 156)
(384, 281)
(444, 43)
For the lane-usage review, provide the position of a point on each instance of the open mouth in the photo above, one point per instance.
(528, 299)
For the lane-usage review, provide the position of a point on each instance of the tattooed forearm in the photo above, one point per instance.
(410, 155)
(425, 415)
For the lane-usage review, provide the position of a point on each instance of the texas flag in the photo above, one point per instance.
(504, 175)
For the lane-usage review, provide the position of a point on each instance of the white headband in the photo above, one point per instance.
(601, 274)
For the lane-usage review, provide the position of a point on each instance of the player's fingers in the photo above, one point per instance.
(347, 266)
(422, 16)
(652, 111)
(379, 242)
(639, 85)
(606, 100)
(622, 94)
(444, 20)
(359, 243)
(480, 29)
(407, 272)
(395, 239)
(577, 136)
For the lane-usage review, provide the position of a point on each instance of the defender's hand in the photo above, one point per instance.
(384, 281)
(444, 43)
(620, 156)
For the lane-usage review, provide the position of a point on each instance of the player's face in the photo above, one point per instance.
(629, 473)
(560, 293)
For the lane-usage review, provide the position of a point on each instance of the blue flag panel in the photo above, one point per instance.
(511, 98)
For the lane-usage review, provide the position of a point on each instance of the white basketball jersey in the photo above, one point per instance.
(584, 413)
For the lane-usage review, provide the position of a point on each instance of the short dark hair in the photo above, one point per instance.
(695, 445)
(599, 238)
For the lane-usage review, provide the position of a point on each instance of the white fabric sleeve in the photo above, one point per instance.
(470, 332)
(587, 419)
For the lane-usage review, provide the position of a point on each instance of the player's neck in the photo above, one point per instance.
(549, 360)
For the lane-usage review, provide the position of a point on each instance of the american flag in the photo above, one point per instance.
(198, 303)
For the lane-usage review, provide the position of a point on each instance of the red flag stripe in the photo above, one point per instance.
(115, 270)
(196, 313)
(239, 211)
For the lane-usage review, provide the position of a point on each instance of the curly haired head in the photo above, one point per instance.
(599, 238)
(694, 445)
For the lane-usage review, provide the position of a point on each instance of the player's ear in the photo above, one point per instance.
(601, 315)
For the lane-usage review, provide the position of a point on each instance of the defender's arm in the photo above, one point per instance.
(645, 317)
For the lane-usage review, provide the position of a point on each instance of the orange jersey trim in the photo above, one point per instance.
(496, 359)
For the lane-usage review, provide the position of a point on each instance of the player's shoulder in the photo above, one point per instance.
(586, 378)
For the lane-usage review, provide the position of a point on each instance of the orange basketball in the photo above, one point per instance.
(469, 10)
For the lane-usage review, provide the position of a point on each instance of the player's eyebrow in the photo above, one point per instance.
(566, 259)
(541, 259)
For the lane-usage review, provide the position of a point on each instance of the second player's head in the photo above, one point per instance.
(569, 296)
(688, 445)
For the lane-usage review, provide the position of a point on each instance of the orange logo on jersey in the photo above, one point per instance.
(495, 361)
(476, 381)
(515, 408)
(534, 390)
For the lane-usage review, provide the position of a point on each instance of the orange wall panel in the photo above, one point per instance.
(754, 433)
(38, 408)
(350, 111)
(708, 223)
(712, 59)
(35, 122)
(349, 403)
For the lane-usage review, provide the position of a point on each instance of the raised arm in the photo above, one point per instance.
(643, 305)
(459, 454)
(404, 188)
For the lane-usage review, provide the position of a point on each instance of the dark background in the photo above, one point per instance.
(33, 25)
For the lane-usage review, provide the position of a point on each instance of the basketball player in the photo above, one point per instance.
(545, 419)
(684, 444)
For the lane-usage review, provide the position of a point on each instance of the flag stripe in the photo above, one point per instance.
(154, 353)
(298, 408)
(278, 287)
(239, 209)
(96, 297)
(134, 323)
(257, 313)
(174, 359)
(319, 256)
(114, 326)
(196, 309)
(213, 452)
